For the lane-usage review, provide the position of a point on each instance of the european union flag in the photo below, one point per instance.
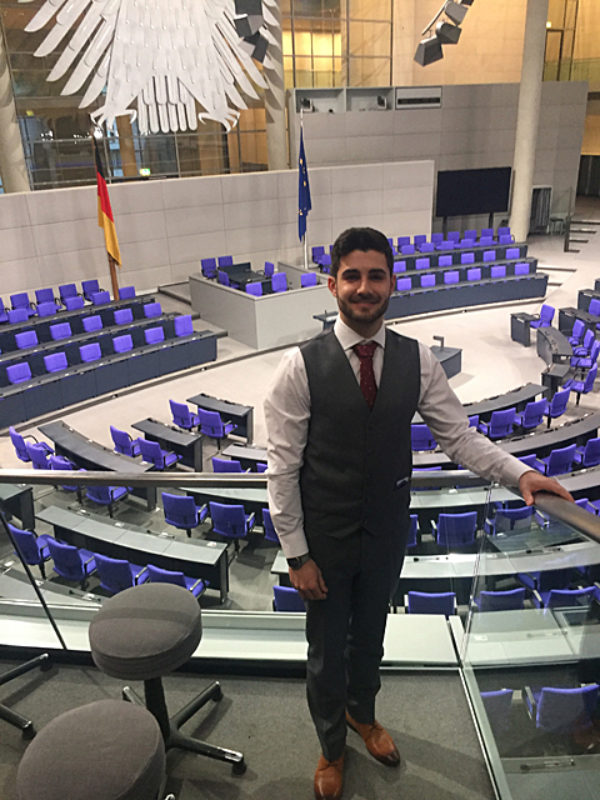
(304, 204)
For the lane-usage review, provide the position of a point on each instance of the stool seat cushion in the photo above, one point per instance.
(107, 750)
(145, 632)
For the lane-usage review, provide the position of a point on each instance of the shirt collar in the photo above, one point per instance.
(348, 338)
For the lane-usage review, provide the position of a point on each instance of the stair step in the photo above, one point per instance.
(579, 241)
(585, 222)
(582, 230)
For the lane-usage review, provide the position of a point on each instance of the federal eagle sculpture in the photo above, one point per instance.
(155, 59)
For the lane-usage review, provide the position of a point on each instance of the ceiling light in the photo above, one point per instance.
(455, 12)
(428, 51)
(447, 33)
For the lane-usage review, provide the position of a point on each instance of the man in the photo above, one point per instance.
(338, 417)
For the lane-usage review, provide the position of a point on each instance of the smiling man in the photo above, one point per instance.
(338, 417)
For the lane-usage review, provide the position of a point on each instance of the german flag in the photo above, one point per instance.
(105, 215)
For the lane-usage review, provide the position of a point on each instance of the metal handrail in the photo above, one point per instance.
(560, 509)
(248, 480)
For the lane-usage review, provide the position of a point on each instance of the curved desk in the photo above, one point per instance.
(196, 559)
(540, 442)
(553, 346)
(516, 397)
(93, 456)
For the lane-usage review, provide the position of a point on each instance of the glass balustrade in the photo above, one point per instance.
(529, 656)
(531, 648)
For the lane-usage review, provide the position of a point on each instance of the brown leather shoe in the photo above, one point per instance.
(379, 743)
(329, 779)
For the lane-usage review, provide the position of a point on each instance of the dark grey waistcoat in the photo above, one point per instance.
(357, 462)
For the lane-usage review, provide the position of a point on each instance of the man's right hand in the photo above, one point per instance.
(309, 582)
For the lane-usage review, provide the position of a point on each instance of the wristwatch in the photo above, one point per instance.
(298, 561)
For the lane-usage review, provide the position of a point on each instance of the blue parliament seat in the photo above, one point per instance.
(589, 454)
(89, 288)
(559, 462)
(182, 416)
(118, 574)
(508, 600)
(100, 298)
(26, 339)
(501, 424)
(269, 528)
(46, 309)
(454, 531)
(431, 603)
(33, 549)
(182, 512)
(126, 292)
(61, 330)
(124, 443)
(153, 453)
(20, 300)
(71, 563)
(106, 495)
(159, 575)
(231, 521)
(561, 710)
(74, 303)
(286, 598)
(208, 267)
(532, 416)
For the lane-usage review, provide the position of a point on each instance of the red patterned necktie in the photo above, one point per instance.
(367, 377)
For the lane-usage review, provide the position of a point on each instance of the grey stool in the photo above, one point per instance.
(107, 750)
(144, 633)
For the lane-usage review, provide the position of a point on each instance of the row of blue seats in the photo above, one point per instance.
(456, 236)
(77, 564)
(453, 276)
(28, 338)
(21, 371)
(421, 244)
(56, 362)
(46, 304)
(464, 259)
(502, 423)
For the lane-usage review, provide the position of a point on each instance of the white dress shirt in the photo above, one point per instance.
(287, 414)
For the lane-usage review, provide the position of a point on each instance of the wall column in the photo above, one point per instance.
(275, 92)
(530, 96)
(12, 158)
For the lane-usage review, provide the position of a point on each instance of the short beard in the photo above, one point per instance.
(349, 312)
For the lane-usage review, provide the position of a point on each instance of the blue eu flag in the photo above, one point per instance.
(304, 204)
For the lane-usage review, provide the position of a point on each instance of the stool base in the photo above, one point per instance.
(155, 702)
(7, 714)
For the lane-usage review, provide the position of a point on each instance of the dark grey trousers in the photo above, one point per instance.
(345, 632)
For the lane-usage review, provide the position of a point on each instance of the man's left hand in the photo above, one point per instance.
(532, 481)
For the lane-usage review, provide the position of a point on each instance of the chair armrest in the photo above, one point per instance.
(202, 512)
(528, 701)
(433, 525)
(250, 520)
(538, 597)
(194, 585)
(137, 577)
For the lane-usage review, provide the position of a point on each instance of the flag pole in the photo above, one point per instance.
(105, 217)
(306, 223)
(112, 266)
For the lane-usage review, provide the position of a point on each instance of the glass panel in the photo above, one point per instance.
(531, 652)
(369, 72)
(140, 528)
(369, 38)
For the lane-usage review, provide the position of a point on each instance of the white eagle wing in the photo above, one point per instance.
(163, 55)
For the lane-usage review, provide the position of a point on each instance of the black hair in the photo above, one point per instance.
(360, 239)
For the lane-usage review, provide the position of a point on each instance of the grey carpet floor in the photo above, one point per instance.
(268, 720)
